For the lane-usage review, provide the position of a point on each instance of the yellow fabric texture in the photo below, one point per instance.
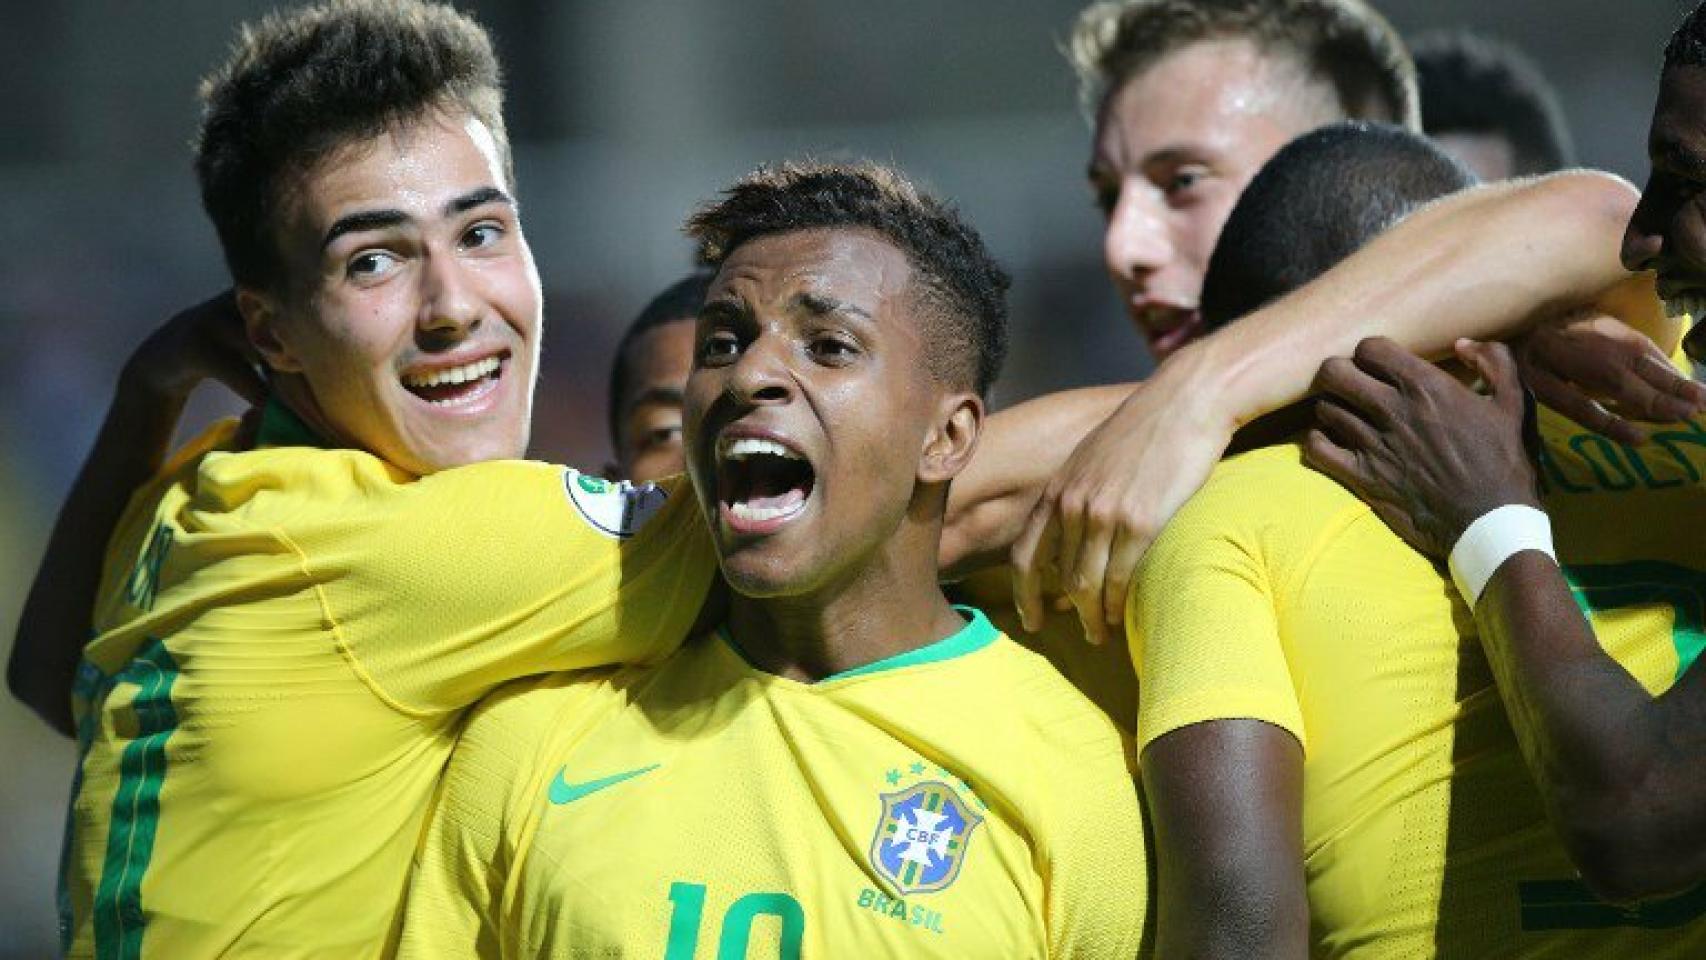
(757, 790)
(285, 641)
(1277, 596)
(1102, 673)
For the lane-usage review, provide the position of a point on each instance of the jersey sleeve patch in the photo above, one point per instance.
(614, 508)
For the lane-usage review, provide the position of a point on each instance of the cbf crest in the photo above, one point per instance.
(922, 837)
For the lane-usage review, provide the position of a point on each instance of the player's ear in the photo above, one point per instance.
(262, 323)
(952, 439)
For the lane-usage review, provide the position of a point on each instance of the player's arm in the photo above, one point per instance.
(1226, 803)
(205, 341)
(1481, 263)
(1221, 745)
(1620, 770)
(1019, 449)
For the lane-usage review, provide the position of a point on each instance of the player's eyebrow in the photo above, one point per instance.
(364, 220)
(667, 396)
(823, 304)
(361, 222)
(477, 198)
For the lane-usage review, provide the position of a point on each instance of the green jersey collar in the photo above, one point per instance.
(281, 427)
(974, 636)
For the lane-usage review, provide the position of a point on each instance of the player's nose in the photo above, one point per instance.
(1136, 242)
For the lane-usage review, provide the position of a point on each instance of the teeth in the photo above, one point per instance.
(1692, 306)
(745, 447)
(453, 375)
(748, 512)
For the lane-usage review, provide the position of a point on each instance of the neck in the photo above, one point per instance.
(889, 606)
(292, 391)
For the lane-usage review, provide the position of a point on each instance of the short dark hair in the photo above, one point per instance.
(962, 286)
(678, 303)
(1345, 44)
(1473, 84)
(300, 84)
(1318, 200)
(1687, 46)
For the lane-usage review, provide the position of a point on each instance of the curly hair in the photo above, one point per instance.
(300, 84)
(1687, 46)
(964, 289)
(1343, 44)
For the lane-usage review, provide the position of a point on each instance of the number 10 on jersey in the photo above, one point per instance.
(687, 901)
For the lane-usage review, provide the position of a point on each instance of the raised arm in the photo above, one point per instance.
(1481, 264)
(1620, 770)
(202, 342)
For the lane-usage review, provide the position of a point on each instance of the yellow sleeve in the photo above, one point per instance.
(1098, 871)
(1202, 619)
(475, 576)
(454, 904)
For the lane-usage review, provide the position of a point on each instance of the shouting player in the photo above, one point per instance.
(848, 766)
(1613, 726)
(1289, 643)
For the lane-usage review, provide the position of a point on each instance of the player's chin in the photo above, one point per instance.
(766, 571)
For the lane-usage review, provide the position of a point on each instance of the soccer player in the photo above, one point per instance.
(651, 364)
(1190, 98)
(1617, 747)
(848, 766)
(289, 626)
(1489, 106)
(1325, 757)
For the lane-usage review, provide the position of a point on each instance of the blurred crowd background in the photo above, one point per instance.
(624, 115)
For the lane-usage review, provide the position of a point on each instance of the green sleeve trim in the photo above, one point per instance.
(281, 427)
(974, 636)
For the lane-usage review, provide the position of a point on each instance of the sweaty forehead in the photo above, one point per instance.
(856, 266)
(1210, 96)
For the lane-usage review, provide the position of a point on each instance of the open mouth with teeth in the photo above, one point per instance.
(456, 386)
(761, 484)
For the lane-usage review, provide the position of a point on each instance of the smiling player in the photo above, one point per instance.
(290, 625)
(849, 766)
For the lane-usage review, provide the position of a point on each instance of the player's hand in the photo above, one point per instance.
(204, 342)
(1427, 453)
(1592, 368)
(1104, 507)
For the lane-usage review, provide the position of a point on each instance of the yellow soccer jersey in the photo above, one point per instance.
(286, 638)
(1275, 595)
(1102, 673)
(958, 801)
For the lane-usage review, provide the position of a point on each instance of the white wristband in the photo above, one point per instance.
(1493, 538)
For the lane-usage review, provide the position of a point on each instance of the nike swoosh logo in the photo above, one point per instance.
(562, 791)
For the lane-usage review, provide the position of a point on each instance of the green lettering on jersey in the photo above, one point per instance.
(144, 582)
(1613, 586)
(118, 914)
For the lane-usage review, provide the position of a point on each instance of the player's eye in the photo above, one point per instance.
(371, 265)
(832, 349)
(717, 347)
(661, 437)
(483, 234)
(1183, 180)
(1105, 197)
